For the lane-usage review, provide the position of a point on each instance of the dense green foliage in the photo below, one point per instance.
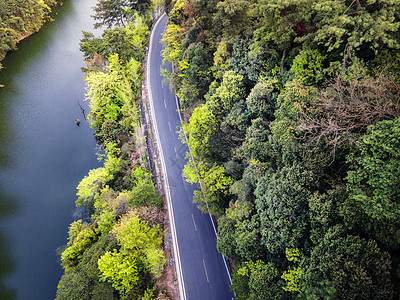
(119, 12)
(139, 249)
(292, 113)
(127, 41)
(20, 18)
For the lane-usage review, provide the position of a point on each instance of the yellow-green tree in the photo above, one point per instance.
(139, 246)
(113, 95)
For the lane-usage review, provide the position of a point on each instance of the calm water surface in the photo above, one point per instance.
(43, 154)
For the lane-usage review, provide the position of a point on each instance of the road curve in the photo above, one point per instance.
(201, 269)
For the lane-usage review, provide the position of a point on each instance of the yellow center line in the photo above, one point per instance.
(205, 270)
(194, 223)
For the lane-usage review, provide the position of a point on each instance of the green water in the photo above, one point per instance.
(43, 154)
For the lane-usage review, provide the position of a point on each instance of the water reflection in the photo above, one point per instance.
(43, 154)
(8, 203)
(4, 131)
(8, 207)
(14, 66)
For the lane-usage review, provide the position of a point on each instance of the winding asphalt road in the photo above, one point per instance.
(201, 269)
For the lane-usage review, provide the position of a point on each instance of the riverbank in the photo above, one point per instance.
(21, 20)
(43, 153)
(125, 210)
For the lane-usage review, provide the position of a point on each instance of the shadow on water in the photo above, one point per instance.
(4, 135)
(8, 204)
(8, 207)
(6, 268)
(15, 64)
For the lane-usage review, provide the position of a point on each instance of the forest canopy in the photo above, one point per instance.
(292, 113)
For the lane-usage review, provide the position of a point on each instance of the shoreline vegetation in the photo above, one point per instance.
(117, 246)
(21, 19)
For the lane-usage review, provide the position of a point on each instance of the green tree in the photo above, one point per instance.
(355, 219)
(226, 236)
(139, 246)
(136, 237)
(113, 94)
(82, 281)
(294, 272)
(197, 73)
(345, 27)
(282, 206)
(201, 126)
(247, 63)
(289, 142)
(144, 193)
(173, 37)
(261, 101)
(90, 186)
(240, 286)
(294, 99)
(248, 239)
(325, 211)
(120, 12)
(265, 283)
(374, 180)
(354, 266)
(127, 41)
(215, 184)
(227, 94)
(73, 286)
(232, 18)
(120, 270)
(233, 129)
(105, 222)
(221, 59)
(258, 280)
(256, 145)
(308, 66)
(21, 18)
(81, 238)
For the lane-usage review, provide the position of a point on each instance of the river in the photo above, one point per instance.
(43, 154)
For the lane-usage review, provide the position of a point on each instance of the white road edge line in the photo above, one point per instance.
(201, 187)
(178, 267)
(176, 153)
(194, 223)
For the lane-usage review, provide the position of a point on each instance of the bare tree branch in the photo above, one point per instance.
(348, 107)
